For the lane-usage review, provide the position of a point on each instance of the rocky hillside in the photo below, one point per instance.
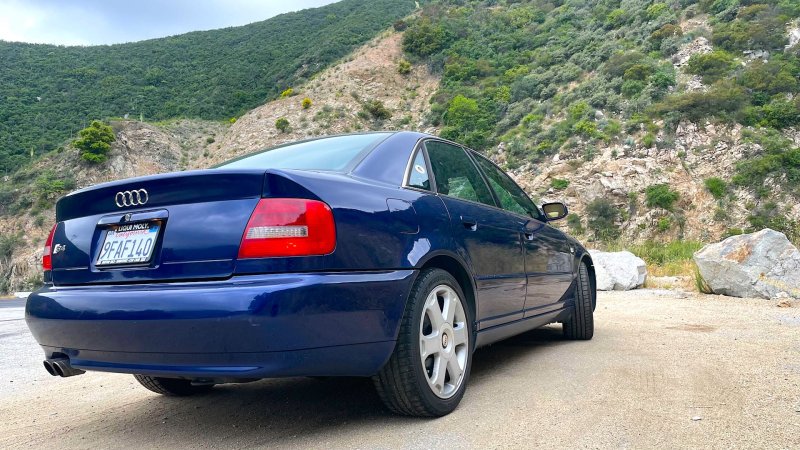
(653, 121)
(341, 98)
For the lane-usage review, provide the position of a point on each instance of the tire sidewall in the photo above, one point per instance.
(440, 405)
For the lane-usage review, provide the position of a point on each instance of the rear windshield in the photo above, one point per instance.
(333, 153)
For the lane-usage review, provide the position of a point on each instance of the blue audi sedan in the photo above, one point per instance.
(384, 255)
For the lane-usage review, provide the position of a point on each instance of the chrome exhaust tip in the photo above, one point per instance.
(60, 367)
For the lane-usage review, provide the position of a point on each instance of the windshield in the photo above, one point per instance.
(333, 153)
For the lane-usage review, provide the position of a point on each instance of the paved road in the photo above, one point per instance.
(657, 362)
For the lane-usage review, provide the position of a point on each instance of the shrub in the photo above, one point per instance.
(8, 243)
(574, 223)
(282, 124)
(424, 38)
(664, 224)
(632, 88)
(307, 103)
(210, 140)
(616, 19)
(404, 67)
(400, 25)
(602, 218)
(95, 142)
(751, 34)
(618, 63)
(377, 110)
(779, 113)
(716, 186)
(585, 128)
(287, 93)
(666, 31)
(49, 186)
(772, 77)
(649, 140)
(711, 66)
(638, 72)
(723, 100)
(769, 215)
(661, 196)
(559, 184)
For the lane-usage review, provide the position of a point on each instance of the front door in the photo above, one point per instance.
(548, 262)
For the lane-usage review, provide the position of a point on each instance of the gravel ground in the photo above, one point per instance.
(662, 371)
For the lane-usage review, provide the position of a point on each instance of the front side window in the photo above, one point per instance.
(333, 153)
(511, 197)
(455, 175)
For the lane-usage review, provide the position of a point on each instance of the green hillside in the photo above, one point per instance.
(47, 92)
(544, 75)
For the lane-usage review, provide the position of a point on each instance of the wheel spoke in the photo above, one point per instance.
(450, 305)
(460, 335)
(438, 375)
(430, 345)
(455, 370)
(433, 312)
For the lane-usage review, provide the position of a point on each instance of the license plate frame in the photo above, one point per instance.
(142, 236)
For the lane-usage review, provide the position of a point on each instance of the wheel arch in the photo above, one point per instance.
(587, 259)
(455, 267)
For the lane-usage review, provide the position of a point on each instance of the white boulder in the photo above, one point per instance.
(761, 265)
(618, 271)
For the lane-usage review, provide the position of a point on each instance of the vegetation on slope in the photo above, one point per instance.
(48, 93)
(568, 76)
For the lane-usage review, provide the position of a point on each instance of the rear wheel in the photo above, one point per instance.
(427, 373)
(580, 326)
(173, 387)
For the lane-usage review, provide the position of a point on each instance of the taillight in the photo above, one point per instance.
(47, 256)
(288, 227)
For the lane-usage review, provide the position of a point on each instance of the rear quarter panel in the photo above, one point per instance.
(378, 226)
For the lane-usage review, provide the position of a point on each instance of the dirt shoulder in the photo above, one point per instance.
(662, 371)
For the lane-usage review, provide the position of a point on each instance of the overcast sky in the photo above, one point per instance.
(90, 22)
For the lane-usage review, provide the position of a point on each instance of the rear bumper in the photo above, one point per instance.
(246, 327)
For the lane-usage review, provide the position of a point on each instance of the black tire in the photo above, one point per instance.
(402, 383)
(172, 387)
(580, 326)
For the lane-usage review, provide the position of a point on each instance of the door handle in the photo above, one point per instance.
(469, 223)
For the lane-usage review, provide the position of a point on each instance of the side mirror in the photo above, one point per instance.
(555, 211)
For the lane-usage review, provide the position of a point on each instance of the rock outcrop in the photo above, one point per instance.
(618, 271)
(761, 265)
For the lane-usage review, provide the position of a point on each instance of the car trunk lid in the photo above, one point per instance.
(178, 226)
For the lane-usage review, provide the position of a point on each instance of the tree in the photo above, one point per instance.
(95, 142)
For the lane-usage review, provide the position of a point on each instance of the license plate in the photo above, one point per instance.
(129, 244)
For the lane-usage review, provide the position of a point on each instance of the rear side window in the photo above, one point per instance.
(511, 197)
(455, 175)
(418, 175)
(332, 153)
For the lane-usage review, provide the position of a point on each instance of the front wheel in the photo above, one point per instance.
(580, 326)
(427, 373)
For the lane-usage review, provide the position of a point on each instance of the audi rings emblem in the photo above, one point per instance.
(131, 198)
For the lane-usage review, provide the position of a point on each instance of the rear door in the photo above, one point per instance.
(548, 260)
(488, 236)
